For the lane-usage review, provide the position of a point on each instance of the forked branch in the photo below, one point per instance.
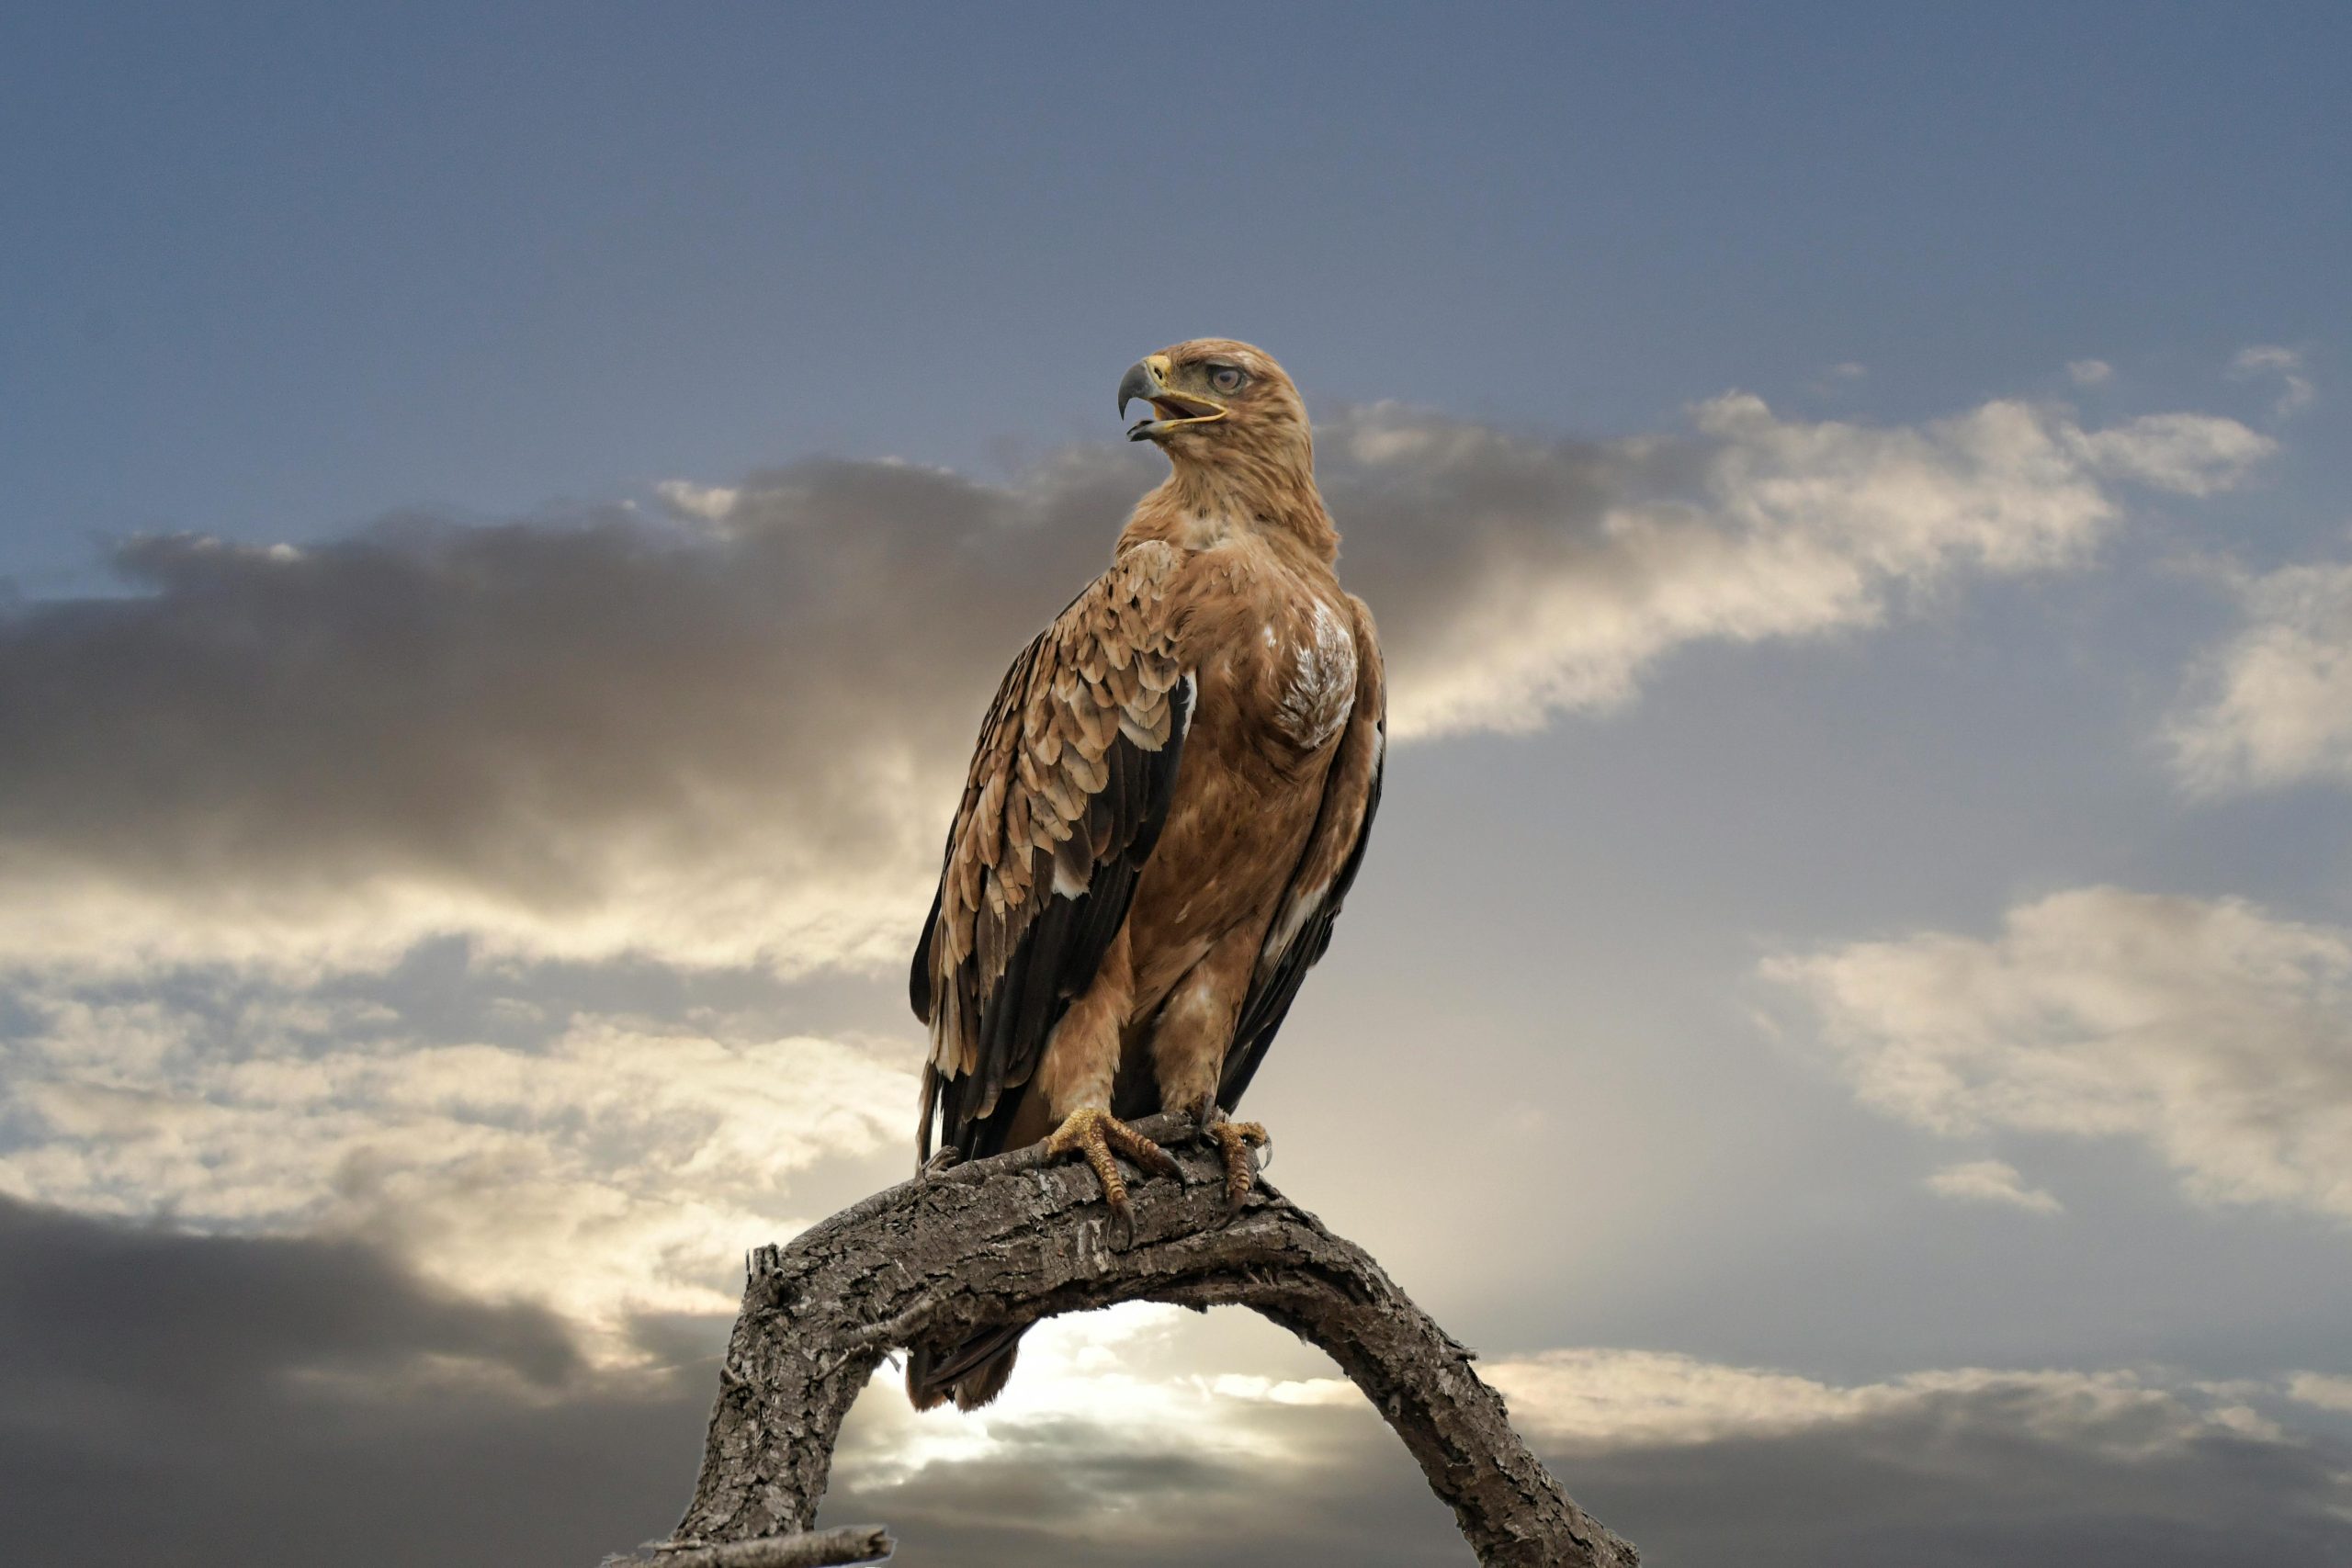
(1013, 1240)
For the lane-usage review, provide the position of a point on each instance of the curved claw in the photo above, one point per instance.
(1094, 1134)
(1234, 1142)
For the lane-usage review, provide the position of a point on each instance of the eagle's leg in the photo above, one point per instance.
(1191, 1039)
(1096, 1133)
(1234, 1142)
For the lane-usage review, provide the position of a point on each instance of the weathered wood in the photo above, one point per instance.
(820, 1549)
(1013, 1240)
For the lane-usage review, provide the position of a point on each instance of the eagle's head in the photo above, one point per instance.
(1218, 402)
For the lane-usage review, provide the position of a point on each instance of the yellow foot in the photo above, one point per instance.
(1234, 1139)
(1096, 1133)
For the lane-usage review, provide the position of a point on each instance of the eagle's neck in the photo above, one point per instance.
(1201, 504)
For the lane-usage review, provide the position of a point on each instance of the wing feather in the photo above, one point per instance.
(1068, 787)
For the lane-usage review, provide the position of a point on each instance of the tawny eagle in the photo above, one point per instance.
(1169, 801)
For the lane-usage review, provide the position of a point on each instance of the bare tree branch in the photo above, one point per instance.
(824, 1549)
(1013, 1239)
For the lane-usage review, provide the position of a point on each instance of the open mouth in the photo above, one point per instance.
(1175, 410)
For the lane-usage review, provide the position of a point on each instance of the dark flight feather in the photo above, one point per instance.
(1077, 800)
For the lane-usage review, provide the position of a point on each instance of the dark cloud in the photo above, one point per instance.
(217, 1401)
(518, 726)
(213, 1401)
(513, 710)
(1965, 1482)
(193, 1318)
(1959, 1478)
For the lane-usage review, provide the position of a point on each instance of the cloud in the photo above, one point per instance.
(240, 1308)
(2089, 372)
(566, 741)
(2188, 454)
(1991, 1181)
(611, 1170)
(2273, 705)
(1698, 1462)
(1937, 1468)
(2295, 388)
(732, 735)
(2320, 1389)
(1577, 1400)
(1072, 1370)
(239, 1402)
(220, 1401)
(2217, 1034)
(712, 503)
(1516, 579)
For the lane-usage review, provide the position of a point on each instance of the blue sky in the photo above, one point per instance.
(273, 271)
(509, 516)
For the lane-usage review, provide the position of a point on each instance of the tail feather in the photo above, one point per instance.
(972, 1373)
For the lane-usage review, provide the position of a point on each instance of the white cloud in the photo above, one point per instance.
(2219, 1035)
(2295, 388)
(2273, 705)
(1073, 1371)
(2322, 1390)
(1573, 569)
(2090, 372)
(2188, 454)
(1604, 1399)
(1991, 1181)
(711, 503)
(617, 1169)
(774, 902)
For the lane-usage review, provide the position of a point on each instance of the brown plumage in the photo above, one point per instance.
(1167, 806)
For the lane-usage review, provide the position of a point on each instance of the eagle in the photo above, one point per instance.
(1168, 804)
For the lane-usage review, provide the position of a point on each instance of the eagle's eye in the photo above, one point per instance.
(1227, 378)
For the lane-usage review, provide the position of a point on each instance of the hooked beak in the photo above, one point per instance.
(1148, 379)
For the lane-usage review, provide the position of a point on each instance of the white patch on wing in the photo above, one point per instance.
(1295, 915)
(1323, 682)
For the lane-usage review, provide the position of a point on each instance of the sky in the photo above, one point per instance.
(509, 518)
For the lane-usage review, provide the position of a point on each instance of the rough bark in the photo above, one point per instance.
(1013, 1240)
(821, 1549)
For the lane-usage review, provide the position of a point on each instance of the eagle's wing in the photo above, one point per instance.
(1068, 789)
(1327, 868)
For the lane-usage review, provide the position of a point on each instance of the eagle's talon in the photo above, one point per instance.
(1234, 1141)
(1094, 1134)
